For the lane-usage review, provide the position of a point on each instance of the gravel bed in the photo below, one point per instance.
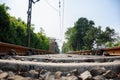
(60, 67)
(67, 58)
(98, 73)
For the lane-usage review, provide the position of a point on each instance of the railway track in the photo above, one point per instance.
(51, 66)
(62, 67)
(105, 51)
(6, 48)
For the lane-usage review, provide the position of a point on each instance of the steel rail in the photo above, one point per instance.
(5, 48)
(110, 51)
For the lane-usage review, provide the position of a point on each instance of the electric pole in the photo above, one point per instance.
(29, 20)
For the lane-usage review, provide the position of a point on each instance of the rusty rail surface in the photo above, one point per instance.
(110, 51)
(5, 48)
(113, 51)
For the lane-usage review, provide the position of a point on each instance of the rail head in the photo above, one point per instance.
(105, 51)
(20, 50)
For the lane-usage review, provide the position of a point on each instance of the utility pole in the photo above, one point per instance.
(29, 20)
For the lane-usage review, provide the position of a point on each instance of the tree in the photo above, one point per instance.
(117, 44)
(84, 34)
(70, 36)
(105, 36)
(42, 41)
(89, 38)
(18, 31)
(83, 28)
(65, 47)
(13, 30)
(4, 23)
(81, 34)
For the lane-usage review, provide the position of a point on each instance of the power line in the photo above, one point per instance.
(51, 6)
(60, 20)
(63, 17)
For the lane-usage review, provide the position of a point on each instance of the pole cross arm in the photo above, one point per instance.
(35, 1)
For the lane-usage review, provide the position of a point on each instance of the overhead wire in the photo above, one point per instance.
(60, 20)
(63, 18)
(51, 6)
(61, 15)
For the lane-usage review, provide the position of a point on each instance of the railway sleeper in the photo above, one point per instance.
(30, 52)
(100, 52)
(12, 52)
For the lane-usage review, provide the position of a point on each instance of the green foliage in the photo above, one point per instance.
(13, 31)
(117, 44)
(4, 23)
(65, 47)
(110, 44)
(84, 34)
(71, 36)
(42, 41)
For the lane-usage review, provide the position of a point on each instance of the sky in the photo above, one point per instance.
(55, 20)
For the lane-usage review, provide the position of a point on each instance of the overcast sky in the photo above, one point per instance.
(45, 14)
